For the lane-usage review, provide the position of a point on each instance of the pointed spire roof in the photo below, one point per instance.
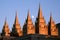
(52, 26)
(5, 28)
(51, 20)
(40, 11)
(40, 23)
(16, 30)
(28, 16)
(5, 23)
(40, 16)
(16, 19)
(28, 25)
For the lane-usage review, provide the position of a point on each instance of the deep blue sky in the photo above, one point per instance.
(8, 9)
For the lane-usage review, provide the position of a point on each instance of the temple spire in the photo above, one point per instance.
(5, 30)
(53, 30)
(16, 30)
(28, 27)
(40, 24)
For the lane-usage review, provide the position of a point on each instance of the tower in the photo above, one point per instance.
(28, 27)
(5, 30)
(40, 24)
(53, 30)
(16, 30)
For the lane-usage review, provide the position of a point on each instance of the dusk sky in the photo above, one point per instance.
(8, 10)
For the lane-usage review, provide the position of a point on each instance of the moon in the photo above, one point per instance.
(33, 17)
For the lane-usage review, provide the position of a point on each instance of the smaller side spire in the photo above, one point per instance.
(28, 27)
(16, 30)
(5, 30)
(52, 29)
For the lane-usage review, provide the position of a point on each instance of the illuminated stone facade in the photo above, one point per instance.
(39, 31)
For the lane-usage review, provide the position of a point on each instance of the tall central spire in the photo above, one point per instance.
(40, 25)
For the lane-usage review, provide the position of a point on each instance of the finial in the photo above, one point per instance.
(5, 20)
(28, 14)
(50, 14)
(40, 11)
(16, 13)
(39, 6)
